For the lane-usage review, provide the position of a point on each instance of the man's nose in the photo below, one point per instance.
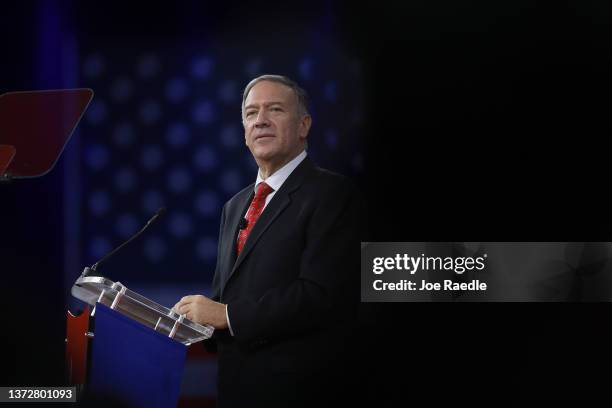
(262, 119)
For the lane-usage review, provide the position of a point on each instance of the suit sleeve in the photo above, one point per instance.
(325, 284)
(216, 283)
(211, 343)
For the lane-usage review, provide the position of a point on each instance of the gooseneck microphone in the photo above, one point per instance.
(92, 270)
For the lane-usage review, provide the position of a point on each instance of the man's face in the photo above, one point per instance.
(273, 129)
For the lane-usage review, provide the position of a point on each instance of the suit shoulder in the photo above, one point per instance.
(331, 180)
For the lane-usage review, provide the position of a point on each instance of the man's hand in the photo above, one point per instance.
(202, 310)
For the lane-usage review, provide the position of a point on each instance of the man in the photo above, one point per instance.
(285, 288)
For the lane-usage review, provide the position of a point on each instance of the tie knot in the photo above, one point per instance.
(263, 190)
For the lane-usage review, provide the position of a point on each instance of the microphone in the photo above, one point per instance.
(243, 224)
(92, 270)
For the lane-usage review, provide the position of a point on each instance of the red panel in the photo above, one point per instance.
(198, 352)
(197, 402)
(76, 346)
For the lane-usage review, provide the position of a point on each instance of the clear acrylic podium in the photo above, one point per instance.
(138, 346)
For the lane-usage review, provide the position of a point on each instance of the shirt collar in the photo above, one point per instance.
(277, 179)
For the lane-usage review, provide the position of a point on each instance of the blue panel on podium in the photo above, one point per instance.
(134, 363)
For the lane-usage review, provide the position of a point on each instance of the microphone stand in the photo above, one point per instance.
(91, 270)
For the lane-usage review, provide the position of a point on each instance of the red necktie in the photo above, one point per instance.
(253, 213)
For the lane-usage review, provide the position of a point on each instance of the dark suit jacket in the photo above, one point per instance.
(291, 294)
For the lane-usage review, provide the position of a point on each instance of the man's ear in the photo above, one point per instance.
(245, 132)
(304, 128)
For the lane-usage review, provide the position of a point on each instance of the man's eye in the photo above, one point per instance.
(276, 109)
(251, 113)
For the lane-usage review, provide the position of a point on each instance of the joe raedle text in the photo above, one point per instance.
(447, 284)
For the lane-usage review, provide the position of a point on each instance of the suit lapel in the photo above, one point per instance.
(270, 213)
(233, 223)
(275, 207)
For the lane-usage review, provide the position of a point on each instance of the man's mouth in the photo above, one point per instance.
(264, 136)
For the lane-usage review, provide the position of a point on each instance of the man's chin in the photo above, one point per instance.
(264, 154)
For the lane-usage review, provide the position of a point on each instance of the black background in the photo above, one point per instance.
(485, 121)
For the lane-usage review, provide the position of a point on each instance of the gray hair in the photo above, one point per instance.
(301, 95)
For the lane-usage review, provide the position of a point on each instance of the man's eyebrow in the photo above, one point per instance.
(265, 104)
